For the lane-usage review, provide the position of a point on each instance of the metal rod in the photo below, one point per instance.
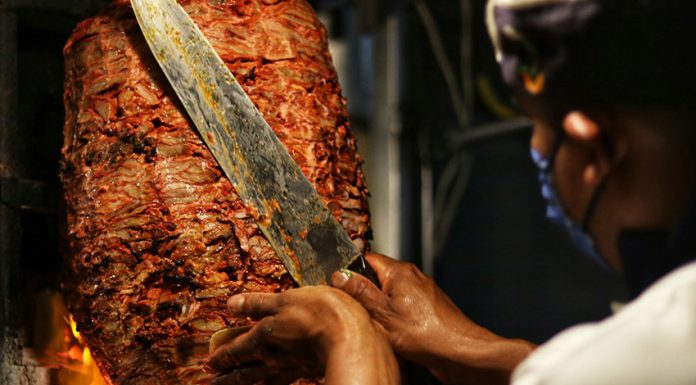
(68, 7)
(463, 140)
(323, 5)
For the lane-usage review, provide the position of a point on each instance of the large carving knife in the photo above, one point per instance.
(287, 208)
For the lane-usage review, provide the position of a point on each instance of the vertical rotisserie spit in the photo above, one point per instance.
(158, 239)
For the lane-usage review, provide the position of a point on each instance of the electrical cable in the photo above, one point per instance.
(466, 58)
(492, 101)
(461, 141)
(452, 185)
(462, 164)
(438, 48)
(454, 180)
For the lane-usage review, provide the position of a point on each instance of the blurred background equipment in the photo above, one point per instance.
(453, 187)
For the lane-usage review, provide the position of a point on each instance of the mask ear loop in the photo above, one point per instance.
(555, 149)
(594, 200)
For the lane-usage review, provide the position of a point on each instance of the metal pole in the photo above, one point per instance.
(385, 152)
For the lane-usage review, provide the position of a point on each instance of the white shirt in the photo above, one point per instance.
(650, 341)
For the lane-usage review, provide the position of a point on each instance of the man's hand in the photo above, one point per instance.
(307, 332)
(426, 328)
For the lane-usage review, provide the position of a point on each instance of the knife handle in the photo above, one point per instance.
(361, 267)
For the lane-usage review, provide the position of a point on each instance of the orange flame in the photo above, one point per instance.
(89, 367)
(58, 344)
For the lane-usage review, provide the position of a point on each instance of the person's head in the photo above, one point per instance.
(610, 87)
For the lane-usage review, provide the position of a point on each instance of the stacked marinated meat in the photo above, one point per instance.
(158, 238)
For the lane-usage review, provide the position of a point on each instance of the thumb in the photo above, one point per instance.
(363, 291)
(382, 265)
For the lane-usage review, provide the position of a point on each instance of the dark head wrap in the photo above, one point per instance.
(623, 53)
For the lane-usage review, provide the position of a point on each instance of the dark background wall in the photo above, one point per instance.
(500, 259)
(506, 265)
(503, 263)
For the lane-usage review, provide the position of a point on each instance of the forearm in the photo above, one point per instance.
(477, 358)
(426, 328)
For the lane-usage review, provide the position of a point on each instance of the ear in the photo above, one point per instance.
(592, 139)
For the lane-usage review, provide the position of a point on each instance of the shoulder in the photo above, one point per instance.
(652, 340)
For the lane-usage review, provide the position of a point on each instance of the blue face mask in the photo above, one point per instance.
(554, 208)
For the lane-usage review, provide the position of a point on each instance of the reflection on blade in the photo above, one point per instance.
(308, 239)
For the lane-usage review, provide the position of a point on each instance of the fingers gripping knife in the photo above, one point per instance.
(300, 228)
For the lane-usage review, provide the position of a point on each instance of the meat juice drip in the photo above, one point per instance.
(158, 238)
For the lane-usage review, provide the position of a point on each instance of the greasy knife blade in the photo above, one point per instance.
(287, 208)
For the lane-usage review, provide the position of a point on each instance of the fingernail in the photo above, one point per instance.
(235, 304)
(342, 278)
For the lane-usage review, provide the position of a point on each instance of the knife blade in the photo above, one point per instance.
(308, 239)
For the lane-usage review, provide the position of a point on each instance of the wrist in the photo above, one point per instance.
(346, 334)
(363, 358)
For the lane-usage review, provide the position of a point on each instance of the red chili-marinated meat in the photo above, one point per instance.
(158, 239)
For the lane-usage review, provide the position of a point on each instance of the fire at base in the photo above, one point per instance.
(58, 345)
